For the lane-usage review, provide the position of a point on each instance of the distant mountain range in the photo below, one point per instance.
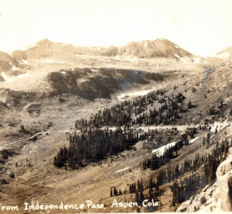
(142, 49)
(46, 51)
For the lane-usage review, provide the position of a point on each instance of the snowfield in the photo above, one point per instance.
(219, 126)
(14, 68)
(145, 44)
(196, 60)
(122, 169)
(160, 151)
(136, 93)
(6, 78)
(193, 140)
(23, 75)
(224, 55)
(185, 61)
(24, 61)
(94, 70)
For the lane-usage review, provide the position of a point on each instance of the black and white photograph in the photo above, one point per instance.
(115, 106)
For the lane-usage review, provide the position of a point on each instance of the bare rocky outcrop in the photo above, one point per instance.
(6, 61)
(208, 200)
(216, 196)
(224, 177)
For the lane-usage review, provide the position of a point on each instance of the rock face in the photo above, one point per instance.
(225, 187)
(216, 196)
(208, 200)
(224, 177)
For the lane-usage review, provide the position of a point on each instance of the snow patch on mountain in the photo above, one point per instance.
(24, 61)
(14, 68)
(219, 126)
(160, 151)
(145, 44)
(5, 77)
(183, 60)
(122, 169)
(94, 70)
(23, 75)
(196, 60)
(136, 93)
(224, 55)
(193, 140)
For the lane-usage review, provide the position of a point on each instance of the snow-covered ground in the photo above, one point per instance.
(136, 93)
(14, 68)
(160, 151)
(24, 61)
(145, 44)
(224, 55)
(193, 140)
(94, 70)
(8, 79)
(176, 55)
(219, 126)
(23, 75)
(180, 127)
(5, 77)
(197, 60)
(122, 169)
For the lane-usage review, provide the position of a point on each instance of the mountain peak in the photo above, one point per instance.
(44, 42)
(153, 48)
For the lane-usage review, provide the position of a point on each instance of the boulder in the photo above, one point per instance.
(224, 178)
(225, 186)
(225, 166)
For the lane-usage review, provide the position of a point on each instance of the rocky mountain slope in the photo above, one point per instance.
(142, 49)
(152, 49)
(48, 51)
(216, 196)
(40, 110)
(52, 56)
(226, 53)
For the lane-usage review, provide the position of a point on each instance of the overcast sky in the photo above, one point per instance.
(202, 27)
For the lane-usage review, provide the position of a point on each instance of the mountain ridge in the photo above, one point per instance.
(141, 49)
